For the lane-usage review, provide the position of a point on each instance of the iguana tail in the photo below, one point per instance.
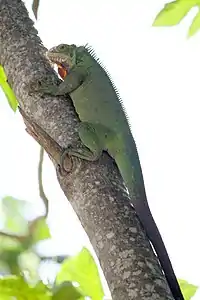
(130, 169)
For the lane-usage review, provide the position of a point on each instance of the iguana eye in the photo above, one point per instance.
(62, 47)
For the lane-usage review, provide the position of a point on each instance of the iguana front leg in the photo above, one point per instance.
(91, 139)
(71, 82)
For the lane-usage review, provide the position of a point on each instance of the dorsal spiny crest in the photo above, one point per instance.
(91, 51)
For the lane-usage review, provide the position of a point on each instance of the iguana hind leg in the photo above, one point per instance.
(92, 145)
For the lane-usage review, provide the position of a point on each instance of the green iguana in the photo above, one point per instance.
(104, 127)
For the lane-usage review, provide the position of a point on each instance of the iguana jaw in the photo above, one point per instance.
(60, 60)
(56, 57)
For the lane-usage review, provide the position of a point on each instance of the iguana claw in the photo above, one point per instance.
(43, 87)
(62, 169)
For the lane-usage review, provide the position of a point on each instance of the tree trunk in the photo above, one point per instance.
(95, 190)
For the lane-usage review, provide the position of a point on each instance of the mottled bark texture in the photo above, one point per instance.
(95, 190)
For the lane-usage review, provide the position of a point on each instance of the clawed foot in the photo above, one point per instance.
(43, 87)
(65, 166)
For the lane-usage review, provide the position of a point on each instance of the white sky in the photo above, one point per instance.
(156, 72)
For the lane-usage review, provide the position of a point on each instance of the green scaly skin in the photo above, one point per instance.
(104, 127)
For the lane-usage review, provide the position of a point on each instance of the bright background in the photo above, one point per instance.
(156, 72)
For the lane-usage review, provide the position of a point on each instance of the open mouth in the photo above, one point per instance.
(63, 67)
(62, 71)
(58, 59)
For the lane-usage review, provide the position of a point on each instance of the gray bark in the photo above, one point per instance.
(95, 190)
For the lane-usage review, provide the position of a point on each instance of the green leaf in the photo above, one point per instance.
(40, 230)
(174, 12)
(66, 291)
(14, 211)
(12, 205)
(16, 225)
(12, 100)
(29, 261)
(10, 258)
(195, 26)
(18, 287)
(82, 269)
(187, 289)
(3, 76)
(8, 243)
(35, 7)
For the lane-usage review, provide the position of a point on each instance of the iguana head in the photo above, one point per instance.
(65, 57)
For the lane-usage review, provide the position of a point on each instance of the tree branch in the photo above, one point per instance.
(40, 184)
(95, 190)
